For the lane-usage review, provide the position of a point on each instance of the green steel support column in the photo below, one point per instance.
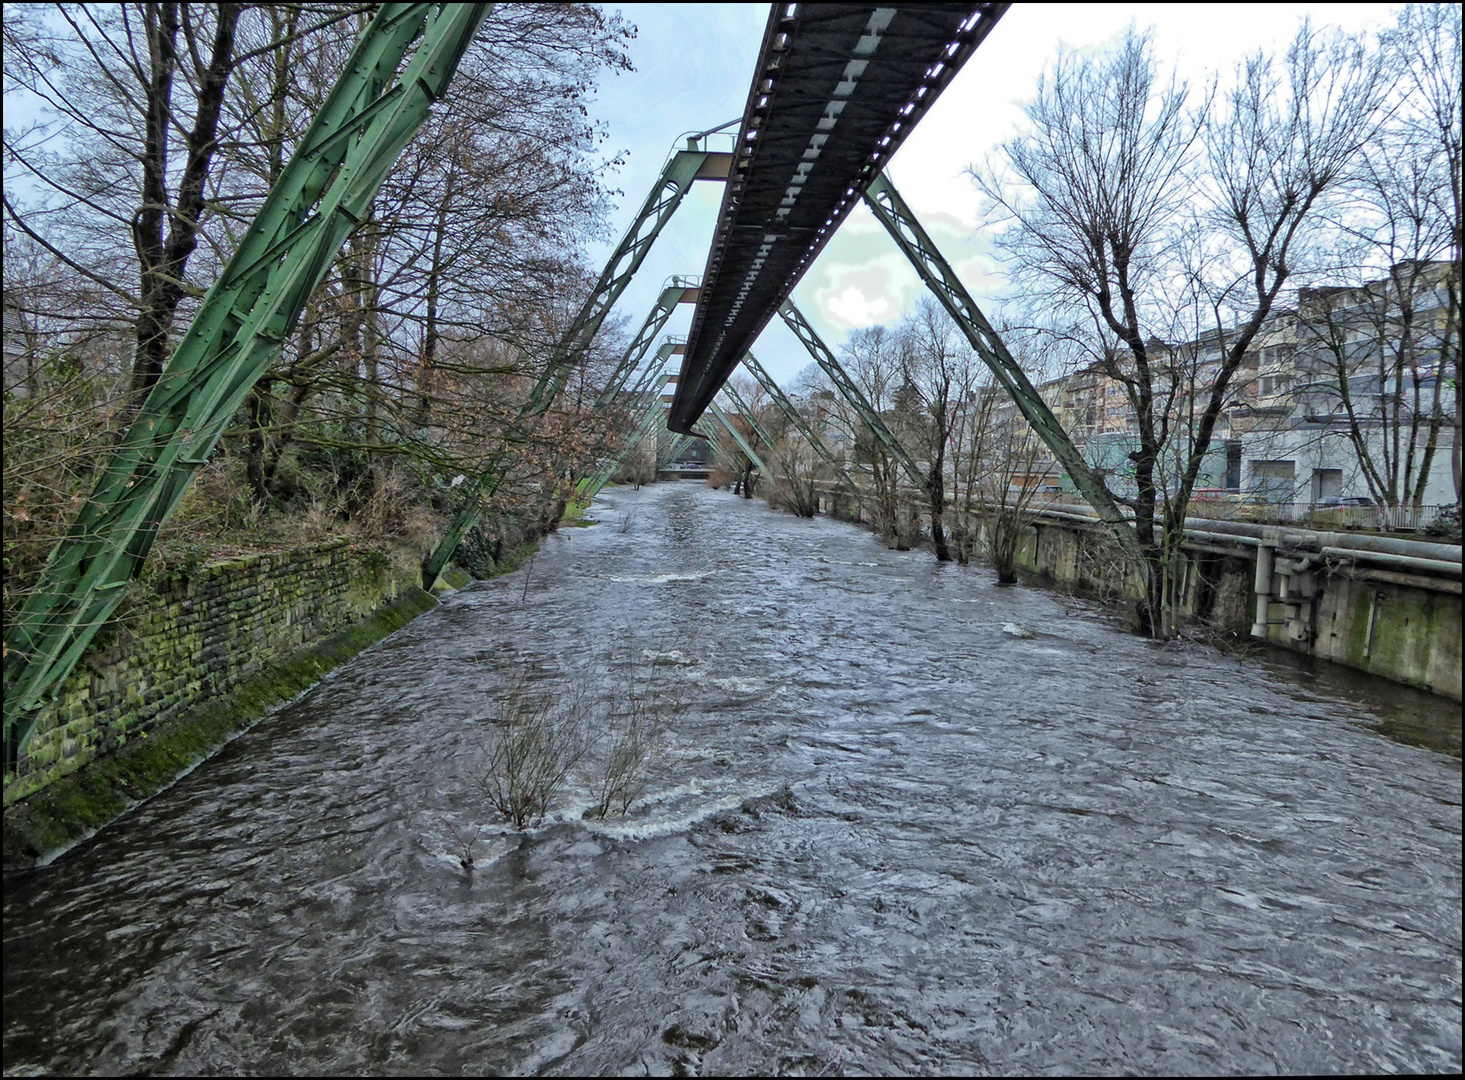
(722, 419)
(685, 167)
(673, 451)
(789, 409)
(743, 408)
(805, 429)
(824, 357)
(941, 279)
(653, 411)
(655, 368)
(328, 186)
(676, 293)
(709, 432)
(677, 176)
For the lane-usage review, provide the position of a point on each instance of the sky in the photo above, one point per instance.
(694, 64)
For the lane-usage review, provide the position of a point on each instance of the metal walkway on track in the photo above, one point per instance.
(836, 90)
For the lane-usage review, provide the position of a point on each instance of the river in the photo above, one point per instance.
(890, 836)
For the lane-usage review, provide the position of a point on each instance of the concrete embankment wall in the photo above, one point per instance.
(1357, 609)
(230, 639)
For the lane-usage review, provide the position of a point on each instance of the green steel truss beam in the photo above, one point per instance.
(680, 291)
(682, 169)
(653, 410)
(732, 430)
(941, 279)
(745, 410)
(673, 450)
(824, 357)
(677, 177)
(328, 186)
(710, 433)
(658, 364)
(796, 418)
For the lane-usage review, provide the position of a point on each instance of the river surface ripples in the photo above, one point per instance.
(892, 837)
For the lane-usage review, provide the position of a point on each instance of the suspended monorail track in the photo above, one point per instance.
(836, 90)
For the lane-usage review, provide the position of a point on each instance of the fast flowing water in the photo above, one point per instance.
(890, 837)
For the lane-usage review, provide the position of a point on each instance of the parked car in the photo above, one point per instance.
(1343, 502)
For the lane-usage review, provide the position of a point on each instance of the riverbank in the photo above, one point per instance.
(74, 806)
(1384, 606)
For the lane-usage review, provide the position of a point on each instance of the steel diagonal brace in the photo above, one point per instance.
(887, 205)
(796, 418)
(744, 409)
(674, 450)
(732, 430)
(655, 368)
(824, 357)
(671, 296)
(653, 411)
(671, 188)
(677, 177)
(328, 186)
(709, 432)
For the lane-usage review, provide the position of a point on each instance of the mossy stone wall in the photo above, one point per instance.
(195, 635)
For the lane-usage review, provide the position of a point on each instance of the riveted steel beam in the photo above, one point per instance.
(369, 116)
(737, 435)
(901, 223)
(824, 357)
(804, 428)
(836, 90)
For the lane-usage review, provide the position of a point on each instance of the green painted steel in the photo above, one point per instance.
(658, 364)
(326, 189)
(652, 411)
(803, 427)
(682, 169)
(887, 205)
(677, 292)
(722, 419)
(711, 432)
(673, 450)
(824, 357)
(746, 411)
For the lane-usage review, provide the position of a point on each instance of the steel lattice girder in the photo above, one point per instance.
(752, 417)
(674, 449)
(837, 89)
(646, 422)
(677, 177)
(325, 190)
(887, 205)
(684, 168)
(824, 357)
(805, 429)
(679, 291)
(737, 435)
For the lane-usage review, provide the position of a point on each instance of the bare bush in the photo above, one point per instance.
(635, 728)
(536, 738)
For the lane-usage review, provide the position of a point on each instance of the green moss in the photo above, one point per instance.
(72, 807)
(456, 578)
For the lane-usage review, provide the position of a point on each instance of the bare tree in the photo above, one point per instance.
(935, 364)
(1103, 210)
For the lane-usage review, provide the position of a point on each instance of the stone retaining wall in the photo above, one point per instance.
(196, 635)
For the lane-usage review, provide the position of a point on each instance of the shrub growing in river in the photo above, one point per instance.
(536, 739)
(635, 729)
